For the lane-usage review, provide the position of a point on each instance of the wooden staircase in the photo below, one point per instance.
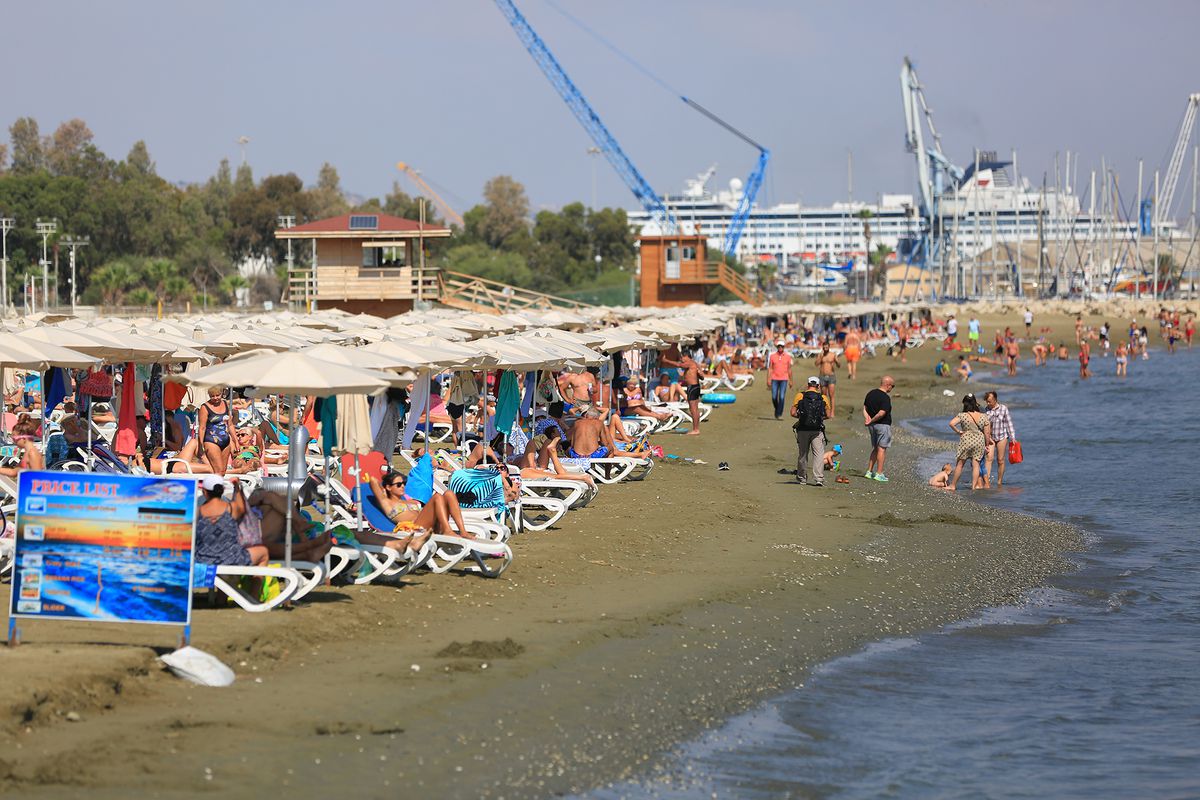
(472, 293)
(735, 283)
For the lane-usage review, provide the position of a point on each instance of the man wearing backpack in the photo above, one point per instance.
(811, 409)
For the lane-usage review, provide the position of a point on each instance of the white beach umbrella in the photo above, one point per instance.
(289, 372)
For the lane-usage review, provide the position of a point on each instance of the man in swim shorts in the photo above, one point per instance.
(853, 352)
(589, 438)
(672, 357)
(827, 364)
(973, 333)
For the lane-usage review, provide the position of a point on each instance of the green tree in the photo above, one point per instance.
(496, 265)
(327, 199)
(612, 237)
(3, 159)
(66, 149)
(504, 221)
(28, 149)
(141, 296)
(230, 285)
(244, 182)
(113, 280)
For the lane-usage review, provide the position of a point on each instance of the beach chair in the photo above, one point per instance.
(573, 494)
(739, 382)
(487, 558)
(533, 510)
(227, 579)
(363, 561)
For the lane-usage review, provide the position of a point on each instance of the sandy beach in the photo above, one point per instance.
(658, 611)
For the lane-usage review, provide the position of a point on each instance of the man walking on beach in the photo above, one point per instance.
(973, 333)
(877, 416)
(779, 370)
(827, 364)
(951, 329)
(810, 409)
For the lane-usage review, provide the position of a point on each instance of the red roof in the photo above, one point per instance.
(387, 224)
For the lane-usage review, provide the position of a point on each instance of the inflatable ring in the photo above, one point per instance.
(719, 398)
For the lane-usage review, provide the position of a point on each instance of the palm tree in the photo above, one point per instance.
(112, 280)
(865, 215)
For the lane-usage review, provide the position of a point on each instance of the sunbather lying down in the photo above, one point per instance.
(538, 460)
(159, 464)
(271, 509)
(414, 521)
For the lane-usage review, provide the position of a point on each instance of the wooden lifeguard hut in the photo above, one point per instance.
(676, 272)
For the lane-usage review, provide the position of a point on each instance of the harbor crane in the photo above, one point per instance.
(416, 178)
(933, 167)
(659, 213)
(1166, 194)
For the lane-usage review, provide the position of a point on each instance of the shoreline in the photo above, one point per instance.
(638, 625)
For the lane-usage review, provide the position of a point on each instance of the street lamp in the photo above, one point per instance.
(6, 225)
(593, 152)
(74, 242)
(46, 229)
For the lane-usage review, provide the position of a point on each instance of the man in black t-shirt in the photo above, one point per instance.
(877, 416)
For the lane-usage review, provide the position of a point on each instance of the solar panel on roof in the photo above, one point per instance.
(364, 222)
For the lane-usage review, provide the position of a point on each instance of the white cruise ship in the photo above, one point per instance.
(985, 209)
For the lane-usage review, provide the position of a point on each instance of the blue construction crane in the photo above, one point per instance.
(589, 119)
(603, 138)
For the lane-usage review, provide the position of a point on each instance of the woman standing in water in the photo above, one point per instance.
(974, 433)
(1122, 359)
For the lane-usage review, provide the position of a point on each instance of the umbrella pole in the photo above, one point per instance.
(358, 482)
(287, 533)
(483, 440)
(45, 412)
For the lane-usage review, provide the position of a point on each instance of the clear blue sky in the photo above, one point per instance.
(447, 87)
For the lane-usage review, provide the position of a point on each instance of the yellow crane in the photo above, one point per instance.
(415, 176)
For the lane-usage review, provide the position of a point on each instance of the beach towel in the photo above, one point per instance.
(527, 397)
(507, 400)
(478, 488)
(416, 407)
(389, 423)
(127, 440)
(328, 424)
(419, 485)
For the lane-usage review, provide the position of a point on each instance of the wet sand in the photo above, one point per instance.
(649, 616)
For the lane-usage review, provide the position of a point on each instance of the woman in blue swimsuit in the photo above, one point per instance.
(218, 431)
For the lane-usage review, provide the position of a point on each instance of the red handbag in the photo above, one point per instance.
(1015, 456)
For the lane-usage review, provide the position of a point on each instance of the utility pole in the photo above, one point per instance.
(7, 223)
(421, 256)
(73, 243)
(46, 229)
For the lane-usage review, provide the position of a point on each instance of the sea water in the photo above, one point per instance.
(1090, 687)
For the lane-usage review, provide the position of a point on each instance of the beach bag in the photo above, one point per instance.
(98, 384)
(250, 529)
(1015, 456)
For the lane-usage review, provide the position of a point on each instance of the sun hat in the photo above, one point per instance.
(210, 482)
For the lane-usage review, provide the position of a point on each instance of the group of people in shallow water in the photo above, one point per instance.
(984, 434)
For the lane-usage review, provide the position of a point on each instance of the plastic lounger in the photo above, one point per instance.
(739, 382)
(447, 552)
(225, 574)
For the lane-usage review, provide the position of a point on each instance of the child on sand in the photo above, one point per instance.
(941, 479)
